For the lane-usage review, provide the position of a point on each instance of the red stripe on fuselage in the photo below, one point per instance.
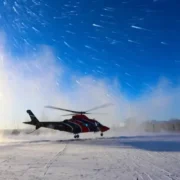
(83, 128)
(80, 117)
(83, 117)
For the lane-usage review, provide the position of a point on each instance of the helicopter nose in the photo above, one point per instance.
(104, 128)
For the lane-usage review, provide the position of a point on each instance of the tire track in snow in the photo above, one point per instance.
(149, 163)
(49, 164)
(133, 164)
(7, 160)
(119, 164)
(158, 167)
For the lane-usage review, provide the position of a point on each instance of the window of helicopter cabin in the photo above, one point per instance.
(96, 123)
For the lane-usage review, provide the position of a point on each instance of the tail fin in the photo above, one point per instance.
(34, 120)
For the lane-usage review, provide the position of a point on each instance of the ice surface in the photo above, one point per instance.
(151, 157)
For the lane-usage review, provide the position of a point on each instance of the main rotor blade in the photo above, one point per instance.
(98, 107)
(76, 114)
(68, 115)
(84, 113)
(57, 108)
(98, 113)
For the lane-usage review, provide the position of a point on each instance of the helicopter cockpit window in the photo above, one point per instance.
(96, 124)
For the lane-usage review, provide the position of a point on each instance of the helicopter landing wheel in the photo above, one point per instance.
(101, 134)
(76, 136)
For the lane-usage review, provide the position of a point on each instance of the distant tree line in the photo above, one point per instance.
(156, 126)
(172, 125)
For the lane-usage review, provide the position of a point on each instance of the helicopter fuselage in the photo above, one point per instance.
(77, 124)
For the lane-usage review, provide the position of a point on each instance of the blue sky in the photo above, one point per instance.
(135, 41)
(78, 54)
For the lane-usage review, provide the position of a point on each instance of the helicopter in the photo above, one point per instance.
(78, 123)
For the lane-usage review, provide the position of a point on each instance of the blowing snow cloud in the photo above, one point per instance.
(36, 80)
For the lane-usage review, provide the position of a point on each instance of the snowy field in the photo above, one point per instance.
(52, 157)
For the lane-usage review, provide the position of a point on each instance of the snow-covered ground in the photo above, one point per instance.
(52, 157)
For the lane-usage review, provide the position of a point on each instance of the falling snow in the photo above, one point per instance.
(97, 25)
(67, 45)
(140, 28)
(164, 43)
(107, 36)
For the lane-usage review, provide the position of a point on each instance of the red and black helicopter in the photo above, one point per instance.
(79, 123)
